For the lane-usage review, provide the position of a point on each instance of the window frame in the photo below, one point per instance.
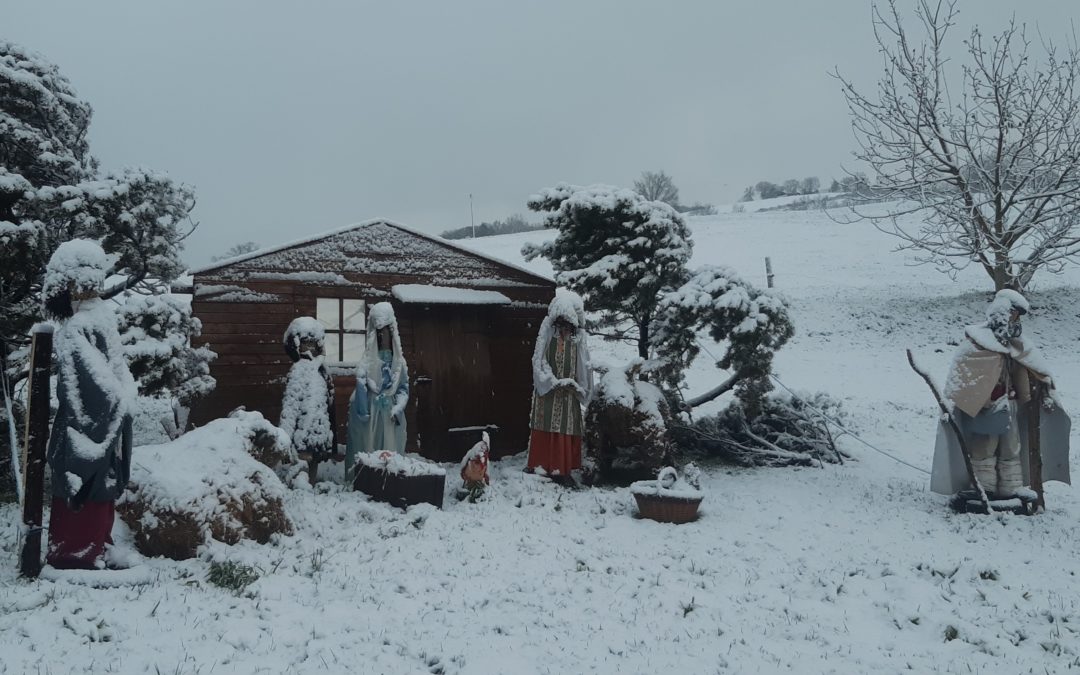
(340, 330)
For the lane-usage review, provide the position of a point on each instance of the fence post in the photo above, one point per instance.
(37, 436)
(768, 271)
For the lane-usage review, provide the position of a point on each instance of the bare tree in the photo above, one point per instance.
(657, 186)
(237, 250)
(991, 163)
(810, 185)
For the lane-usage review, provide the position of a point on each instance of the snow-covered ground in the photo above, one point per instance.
(846, 569)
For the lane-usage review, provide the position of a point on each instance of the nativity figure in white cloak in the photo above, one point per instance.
(997, 384)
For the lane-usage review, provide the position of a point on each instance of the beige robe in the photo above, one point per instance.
(976, 369)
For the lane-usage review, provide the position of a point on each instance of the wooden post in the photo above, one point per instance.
(1035, 467)
(37, 436)
(768, 271)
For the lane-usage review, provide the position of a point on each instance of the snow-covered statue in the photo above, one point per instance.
(307, 410)
(89, 449)
(377, 407)
(990, 385)
(562, 385)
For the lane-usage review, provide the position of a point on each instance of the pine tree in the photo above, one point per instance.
(616, 249)
(52, 191)
(156, 331)
(627, 257)
(752, 324)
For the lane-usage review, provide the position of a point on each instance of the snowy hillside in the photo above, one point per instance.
(846, 569)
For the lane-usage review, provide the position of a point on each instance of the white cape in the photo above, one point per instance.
(949, 475)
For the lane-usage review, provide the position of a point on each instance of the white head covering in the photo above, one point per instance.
(380, 316)
(569, 306)
(81, 262)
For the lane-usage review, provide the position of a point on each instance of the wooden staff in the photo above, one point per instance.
(956, 430)
(1035, 468)
(37, 436)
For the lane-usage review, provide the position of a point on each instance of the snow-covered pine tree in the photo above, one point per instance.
(156, 331)
(751, 323)
(616, 249)
(52, 191)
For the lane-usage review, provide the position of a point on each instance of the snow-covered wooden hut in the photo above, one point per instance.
(467, 321)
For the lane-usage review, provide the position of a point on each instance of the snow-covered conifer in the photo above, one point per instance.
(156, 331)
(750, 322)
(51, 191)
(615, 248)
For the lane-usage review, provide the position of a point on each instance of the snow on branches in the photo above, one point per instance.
(51, 191)
(156, 332)
(986, 154)
(754, 324)
(615, 248)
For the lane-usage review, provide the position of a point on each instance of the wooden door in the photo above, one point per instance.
(451, 378)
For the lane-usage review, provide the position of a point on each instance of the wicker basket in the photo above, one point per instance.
(668, 509)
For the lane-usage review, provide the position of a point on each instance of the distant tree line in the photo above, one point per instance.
(811, 185)
(513, 224)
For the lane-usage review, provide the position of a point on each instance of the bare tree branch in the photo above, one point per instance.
(994, 174)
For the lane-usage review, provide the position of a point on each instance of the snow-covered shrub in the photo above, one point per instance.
(203, 485)
(616, 249)
(156, 332)
(266, 443)
(751, 323)
(627, 257)
(52, 191)
(786, 431)
(625, 424)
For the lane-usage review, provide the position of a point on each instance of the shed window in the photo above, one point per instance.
(344, 321)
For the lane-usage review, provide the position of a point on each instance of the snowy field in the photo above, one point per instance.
(843, 569)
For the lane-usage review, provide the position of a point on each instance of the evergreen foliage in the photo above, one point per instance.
(616, 249)
(52, 191)
(752, 324)
(156, 331)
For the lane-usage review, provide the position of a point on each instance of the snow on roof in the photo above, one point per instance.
(356, 226)
(446, 295)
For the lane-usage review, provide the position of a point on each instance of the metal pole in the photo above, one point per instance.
(472, 220)
(37, 436)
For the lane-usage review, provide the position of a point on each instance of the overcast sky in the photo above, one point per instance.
(291, 118)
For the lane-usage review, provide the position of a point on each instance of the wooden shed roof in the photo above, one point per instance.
(377, 246)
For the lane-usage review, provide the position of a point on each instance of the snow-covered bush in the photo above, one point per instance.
(156, 331)
(627, 257)
(52, 191)
(751, 323)
(625, 424)
(616, 249)
(203, 485)
(786, 431)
